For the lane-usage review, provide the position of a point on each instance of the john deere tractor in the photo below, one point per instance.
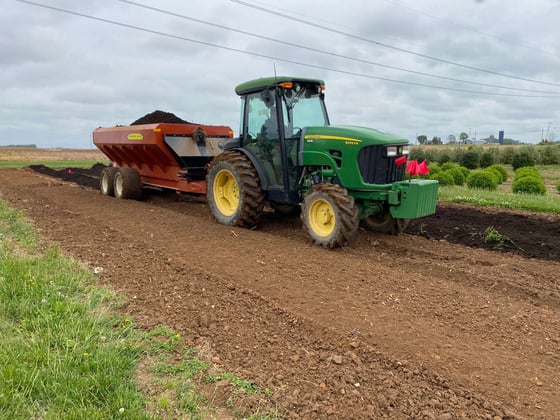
(289, 157)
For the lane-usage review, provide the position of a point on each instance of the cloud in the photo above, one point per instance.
(63, 75)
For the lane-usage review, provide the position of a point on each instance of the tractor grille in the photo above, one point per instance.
(377, 168)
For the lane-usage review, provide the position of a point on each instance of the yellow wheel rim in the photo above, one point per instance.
(322, 219)
(226, 192)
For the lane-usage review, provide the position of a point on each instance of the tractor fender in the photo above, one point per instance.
(233, 144)
(258, 167)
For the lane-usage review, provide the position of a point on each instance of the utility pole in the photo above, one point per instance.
(547, 131)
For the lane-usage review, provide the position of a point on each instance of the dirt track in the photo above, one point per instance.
(402, 327)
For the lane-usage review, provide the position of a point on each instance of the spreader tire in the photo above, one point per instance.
(127, 184)
(234, 191)
(329, 215)
(107, 181)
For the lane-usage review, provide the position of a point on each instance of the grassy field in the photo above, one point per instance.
(18, 157)
(55, 164)
(68, 351)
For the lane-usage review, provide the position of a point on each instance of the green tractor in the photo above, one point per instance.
(289, 157)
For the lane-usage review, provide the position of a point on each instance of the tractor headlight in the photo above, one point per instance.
(392, 151)
(406, 149)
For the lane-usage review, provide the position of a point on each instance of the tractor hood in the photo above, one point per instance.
(357, 156)
(352, 135)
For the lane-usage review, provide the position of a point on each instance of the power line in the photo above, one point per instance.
(469, 28)
(284, 60)
(332, 54)
(381, 44)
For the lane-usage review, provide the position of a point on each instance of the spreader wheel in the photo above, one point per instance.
(234, 192)
(107, 181)
(127, 183)
(329, 215)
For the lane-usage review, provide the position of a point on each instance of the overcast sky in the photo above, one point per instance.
(63, 75)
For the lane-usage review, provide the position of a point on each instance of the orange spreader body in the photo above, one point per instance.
(165, 155)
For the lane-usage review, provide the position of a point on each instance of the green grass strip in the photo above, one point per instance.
(63, 352)
(536, 203)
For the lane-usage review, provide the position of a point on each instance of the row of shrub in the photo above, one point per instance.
(474, 157)
(453, 174)
(528, 180)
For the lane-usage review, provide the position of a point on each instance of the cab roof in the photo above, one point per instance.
(269, 82)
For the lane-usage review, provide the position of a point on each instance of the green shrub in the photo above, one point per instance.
(466, 171)
(487, 159)
(530, 171)
(431, 154)
(444, 178)
(550, 155)
(417, 153)
(484, 179)
(471, 159)
(457, 154)
(457, 175)
(448, 165)
(501, 171)
(506, 155)
(444, 157)
(558, 186)
(434, 169)
(528, 185)
(497, 173)
(524, 157)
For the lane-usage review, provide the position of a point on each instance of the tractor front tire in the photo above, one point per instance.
(329, 215)
(385, 223)
(234, 191)
(107, 181)
(127, 184)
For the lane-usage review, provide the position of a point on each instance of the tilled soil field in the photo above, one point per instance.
(431, 324)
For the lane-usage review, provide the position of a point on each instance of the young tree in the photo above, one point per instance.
(422, 139)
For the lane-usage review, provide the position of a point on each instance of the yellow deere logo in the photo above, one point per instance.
(135, 136)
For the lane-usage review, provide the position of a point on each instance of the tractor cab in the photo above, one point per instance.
(274, 112)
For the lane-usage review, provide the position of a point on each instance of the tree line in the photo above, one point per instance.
(464, 138)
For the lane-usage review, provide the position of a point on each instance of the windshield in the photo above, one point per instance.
(303, 108)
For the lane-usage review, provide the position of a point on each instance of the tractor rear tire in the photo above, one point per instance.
(385, 223)
(107, 181)
(127, 184)
(329, 215)
(234, 191)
